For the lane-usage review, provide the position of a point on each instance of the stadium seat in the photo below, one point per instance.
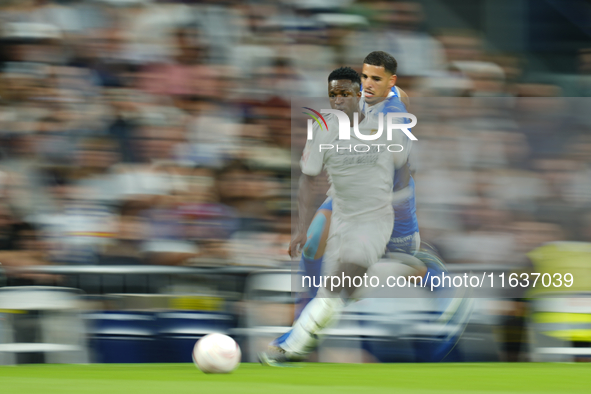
(42, 320)
(123, 337)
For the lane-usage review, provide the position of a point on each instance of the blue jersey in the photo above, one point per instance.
(405, 223)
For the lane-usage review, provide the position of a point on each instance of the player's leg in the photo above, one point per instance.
(352, 248)
(451, 307)
(320, 313)
(313, 251)
(400, 249)
(316, 315)
(405, 248)
(405, 241)
(311, 259)
(434, 262)
(419, 259)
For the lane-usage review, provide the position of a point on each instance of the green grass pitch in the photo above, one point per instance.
(309, 379)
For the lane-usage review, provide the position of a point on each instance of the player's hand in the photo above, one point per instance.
(296, 244)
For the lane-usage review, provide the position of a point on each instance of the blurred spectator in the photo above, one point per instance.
(420, 54)
(21, 246)
(161, 132)
(126, 247)
(186, 75)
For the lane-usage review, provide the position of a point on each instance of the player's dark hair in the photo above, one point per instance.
(345, 73)
(382, 59)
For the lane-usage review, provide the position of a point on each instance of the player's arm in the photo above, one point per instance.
(404, 98)
(305, 213)
(311, 165)
(398, 105)
(305, 199)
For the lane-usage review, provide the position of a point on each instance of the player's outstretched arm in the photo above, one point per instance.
(305, 214)
(404, 98)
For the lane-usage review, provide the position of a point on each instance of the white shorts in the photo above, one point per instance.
(361, 242)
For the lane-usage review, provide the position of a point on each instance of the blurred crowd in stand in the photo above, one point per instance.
(158, 132)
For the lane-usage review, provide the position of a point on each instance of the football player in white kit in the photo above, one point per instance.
(379, 95)
(362, 214)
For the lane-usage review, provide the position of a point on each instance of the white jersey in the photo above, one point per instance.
(375, 109)
(360, 172)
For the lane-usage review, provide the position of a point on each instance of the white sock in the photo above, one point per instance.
(318, 314)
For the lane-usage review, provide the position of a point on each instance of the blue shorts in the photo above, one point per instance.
(408, 244)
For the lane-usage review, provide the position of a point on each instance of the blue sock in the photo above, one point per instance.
(311, 268)
(279, 341)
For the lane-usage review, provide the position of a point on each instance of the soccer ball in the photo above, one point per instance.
(216, 353)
